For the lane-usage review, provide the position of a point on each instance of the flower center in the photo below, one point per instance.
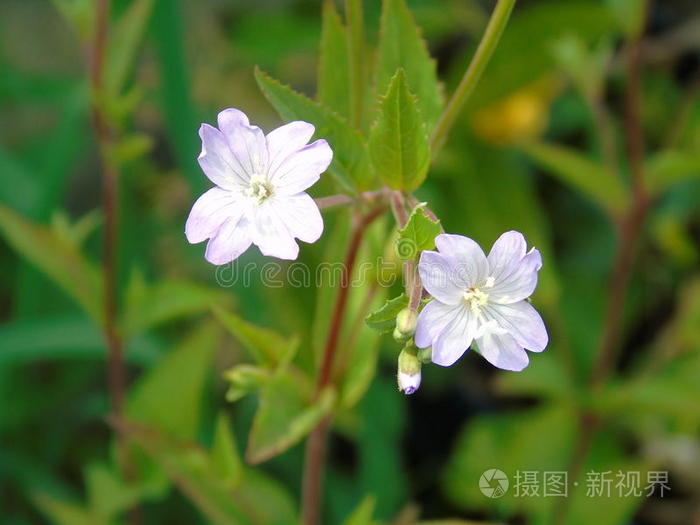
(475, 299)
(259, 189)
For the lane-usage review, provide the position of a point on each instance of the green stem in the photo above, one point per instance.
(354, 16)
(499, 19)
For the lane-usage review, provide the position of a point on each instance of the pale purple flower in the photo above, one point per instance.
(259, 196)
(481, 299)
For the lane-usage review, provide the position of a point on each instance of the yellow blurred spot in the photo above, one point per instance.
(519, 117)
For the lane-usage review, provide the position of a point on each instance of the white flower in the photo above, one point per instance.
(259, 196)
(481, 299)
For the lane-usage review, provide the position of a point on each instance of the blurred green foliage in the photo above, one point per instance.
(536, 149)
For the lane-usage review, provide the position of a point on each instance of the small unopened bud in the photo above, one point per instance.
(409, 374)
(244, 379)
(405, 325)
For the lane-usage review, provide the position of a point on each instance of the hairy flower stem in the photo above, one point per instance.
(494, 30)
(629, 233)
(316, 442)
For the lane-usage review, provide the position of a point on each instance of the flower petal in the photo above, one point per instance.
(210, 211)
(217, 160)
(468, 259)
(520, 282)
(270, 233)
(432, 320)
(246, 142)
(438, 276)
(455, 338)
(302, 168)
(287, 139)
(230, 241)
(301, 216)
(506, 254)
(522, 321)
(502, 351)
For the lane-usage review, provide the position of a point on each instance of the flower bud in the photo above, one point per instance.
(405, 325)
(244, 379)
(409, 374)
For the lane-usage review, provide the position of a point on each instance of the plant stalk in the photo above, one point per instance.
(314, 461)
(494, 30)
(629, 233)
(355, 21)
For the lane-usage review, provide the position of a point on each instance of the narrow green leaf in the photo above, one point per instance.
(224, 453)
(169, 396)
(418, 234)
(582, 174)
(125, 37)
(398, 143)
(62, 512)
(401, 45)
(108, 494)
(59, 260)
(384, 319)
(666, 168)
(350, 164)
(333, 68)
(150, 305)
(190, 468)
(362, 515)
(66, 337)
(285, 415)
(267, 346)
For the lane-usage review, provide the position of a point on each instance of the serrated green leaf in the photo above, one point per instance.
(333, 69)
(418, 234)
(169, 396)
(398, 142)
(384, 319)
(61, 261)
(267, 346)
(285, 415)
(581, 174)
(401, 45)
(350, 164)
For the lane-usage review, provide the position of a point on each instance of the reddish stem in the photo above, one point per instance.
(316, 443)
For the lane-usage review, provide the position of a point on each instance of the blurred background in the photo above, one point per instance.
(527, 152)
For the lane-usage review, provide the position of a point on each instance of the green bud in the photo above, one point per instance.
(409, 373)
(244, 379)
(405, 325)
